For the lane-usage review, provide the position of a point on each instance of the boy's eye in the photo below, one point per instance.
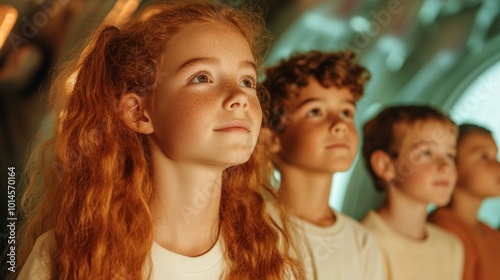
(426, 153)
(485, 156)
(348, 113)
(248, 82)
(314, 113)
(451, 156)
(200, 78)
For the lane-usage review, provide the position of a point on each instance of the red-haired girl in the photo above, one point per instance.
(154, 169)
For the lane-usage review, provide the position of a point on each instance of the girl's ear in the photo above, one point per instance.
(272, 140)
(134, 114)
(383, 166)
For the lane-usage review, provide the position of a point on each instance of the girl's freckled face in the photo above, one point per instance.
(207, 83)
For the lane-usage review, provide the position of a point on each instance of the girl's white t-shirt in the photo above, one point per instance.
(165, 264)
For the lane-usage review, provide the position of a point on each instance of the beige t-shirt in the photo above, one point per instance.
(342, 251)
(439, 257)
(482, 248)
(166, 264)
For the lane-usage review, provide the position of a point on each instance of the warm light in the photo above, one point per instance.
(70, 83)
(121, 12)
(8, 17)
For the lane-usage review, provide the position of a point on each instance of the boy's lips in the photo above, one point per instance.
(442, 183)
(234, 126)
(339, 144)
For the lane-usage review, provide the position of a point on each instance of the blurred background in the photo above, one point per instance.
(445, 53)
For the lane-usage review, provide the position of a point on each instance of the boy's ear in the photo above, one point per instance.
(382, 165)
(272, 140)
(134, 114)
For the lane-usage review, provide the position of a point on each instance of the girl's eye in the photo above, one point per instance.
(249, 82)
(200, 78)
(314, 113)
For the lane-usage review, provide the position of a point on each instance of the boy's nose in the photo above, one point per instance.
(445, 163)
(338, 127)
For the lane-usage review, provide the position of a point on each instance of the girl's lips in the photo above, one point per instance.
(234, 126)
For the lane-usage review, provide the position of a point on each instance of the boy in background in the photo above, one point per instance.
(313, 136)
(410, 153)
(478, 178)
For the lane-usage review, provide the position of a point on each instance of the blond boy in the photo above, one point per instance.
(410, 153)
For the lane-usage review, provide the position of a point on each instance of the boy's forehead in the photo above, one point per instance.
(430, 130)
(476, 140)
(313, 89)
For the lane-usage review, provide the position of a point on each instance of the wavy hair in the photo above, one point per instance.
(91, 182)
(338, 69)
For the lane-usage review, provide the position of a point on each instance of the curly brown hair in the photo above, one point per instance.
(338, 69)
(383, 132)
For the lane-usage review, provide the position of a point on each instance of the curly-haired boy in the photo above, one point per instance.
(313, 136)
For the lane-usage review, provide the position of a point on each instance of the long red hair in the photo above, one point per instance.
(91, 182)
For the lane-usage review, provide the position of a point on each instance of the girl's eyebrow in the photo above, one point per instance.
(197, 60)
(212, 60)
(248, 64)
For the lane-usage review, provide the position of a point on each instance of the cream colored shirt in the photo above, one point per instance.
(342, 251)
(482, 248)
(166, 264)
(439, 257)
